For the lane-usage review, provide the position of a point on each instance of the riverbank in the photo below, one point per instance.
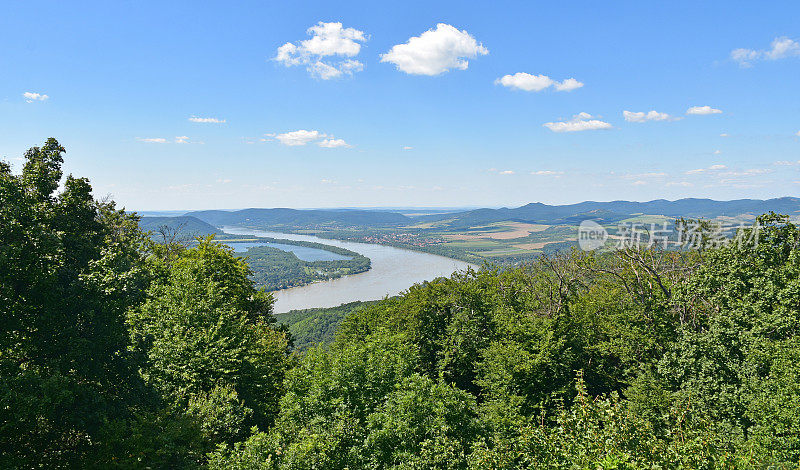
(393, 270)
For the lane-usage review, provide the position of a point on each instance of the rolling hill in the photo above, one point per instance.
(296, 217)
(188, 226)
(614, 211)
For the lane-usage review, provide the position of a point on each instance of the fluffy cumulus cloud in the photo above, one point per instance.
(30, 96)
(780, 48)
(326, 71)
(298, 137)
(333, 143)
(703, 110)
(304, 137)
(568, 85)
(631, 116)
(435, 51)
(328, 54)
(528, 82)
(579, 122)
(206, 120)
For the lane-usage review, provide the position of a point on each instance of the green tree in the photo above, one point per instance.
(208, 343)
(736, 353)
(70, 267)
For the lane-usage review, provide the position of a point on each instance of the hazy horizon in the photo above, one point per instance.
(422, 208)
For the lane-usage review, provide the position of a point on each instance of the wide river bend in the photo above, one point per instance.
(393, 271)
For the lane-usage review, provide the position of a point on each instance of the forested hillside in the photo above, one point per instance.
(186, 226)
(295, 218)
(316, 326)
(121, 352)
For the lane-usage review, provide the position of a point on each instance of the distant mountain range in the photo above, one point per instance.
(296, 217)
(603, 212)
(609, 212)
(207, 222)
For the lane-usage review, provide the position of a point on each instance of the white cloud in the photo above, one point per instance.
(717, 152)
(298, 137)
(525, 81)
(325, 71)
(547, 173)
(206, 120)
(304, 137)
(744, 56)
(569, 85)
(408, 148)
(30, 97)
(631, 116)
(152, 140)
(334, 143)
(787, 163)
(781, 48)
(798, 134)
(702, 110)
(507, 172)
(639, 183)
(579, 122)
(679, 183)
(528, 82)
(706, 170)
(329, 52)
(724, 135)
(182, 139)
(435, 51)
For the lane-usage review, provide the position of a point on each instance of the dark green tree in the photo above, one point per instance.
(208, 343)
(70, 267)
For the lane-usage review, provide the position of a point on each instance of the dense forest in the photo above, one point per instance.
(121, 352)
(317, 326)
(182, 226)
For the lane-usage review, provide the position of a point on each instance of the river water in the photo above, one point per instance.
(393, 271)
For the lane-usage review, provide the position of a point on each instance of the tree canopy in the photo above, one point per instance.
(119, 351)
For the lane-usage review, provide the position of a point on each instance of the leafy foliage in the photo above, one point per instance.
(117, 351)
(314, 326)
(204, 327)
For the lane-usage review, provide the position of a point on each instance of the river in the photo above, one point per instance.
(393, 271)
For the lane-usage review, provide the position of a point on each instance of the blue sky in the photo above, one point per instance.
(405, 103)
